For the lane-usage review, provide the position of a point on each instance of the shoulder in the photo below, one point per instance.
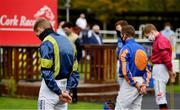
(125, 49)
(172, 32)
(90, 33)
(46, 48)
(140, 46)
(46, 43)
(74, 35)
(163, 43)
(163, 31)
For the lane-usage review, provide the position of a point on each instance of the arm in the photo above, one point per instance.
(46, 51)
(78, 48)
(166, 58)
(165, 51)
(125, 69)
(147, 75)
(74, 77)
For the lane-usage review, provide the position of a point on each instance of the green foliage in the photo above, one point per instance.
(61, 3)
(11, 85)
(103, 9)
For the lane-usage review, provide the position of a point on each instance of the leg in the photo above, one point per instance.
(126, 96)
(160, 77)
(61, 106)
(136, 105)
(120, 80)
(74, 95)
(47, 99)
(45, 104)
(160, 93)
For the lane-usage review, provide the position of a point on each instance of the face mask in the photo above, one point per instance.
(151, 37)
(119, 36)
(167, 28)
(97, 33)
(118, 33)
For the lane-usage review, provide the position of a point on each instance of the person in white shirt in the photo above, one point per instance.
(81, 21)
(169, 33)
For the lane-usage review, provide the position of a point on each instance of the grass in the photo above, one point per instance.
(9, 103)
(12, 103)
(176, 88)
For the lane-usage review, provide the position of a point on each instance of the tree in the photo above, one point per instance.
(105, 9)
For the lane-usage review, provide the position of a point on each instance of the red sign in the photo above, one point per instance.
(17, 18)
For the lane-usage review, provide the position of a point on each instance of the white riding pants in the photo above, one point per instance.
(48, 100)
(160, 76)
(128, 96)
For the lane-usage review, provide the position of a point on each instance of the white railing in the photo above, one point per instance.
(111, 37)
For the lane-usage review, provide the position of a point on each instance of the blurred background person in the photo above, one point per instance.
(118, 25)
(169, 33)
(81, 26)
(95, 36)
(84, 35)
(73, 37)
(60, 31)
(81, 22)
(69, 30)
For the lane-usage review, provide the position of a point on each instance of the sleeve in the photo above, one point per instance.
(46, 52)
(125, 69)
(78, 48)
(167, 60)
(147, 75)
(165, 52)
(74, 77)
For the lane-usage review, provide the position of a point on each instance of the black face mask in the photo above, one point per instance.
(45, 33)
(118, 33)
(97, 33)
(119, 36)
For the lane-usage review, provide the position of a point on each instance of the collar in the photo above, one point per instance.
(45, 33)
(159, 35)
(129, 40)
